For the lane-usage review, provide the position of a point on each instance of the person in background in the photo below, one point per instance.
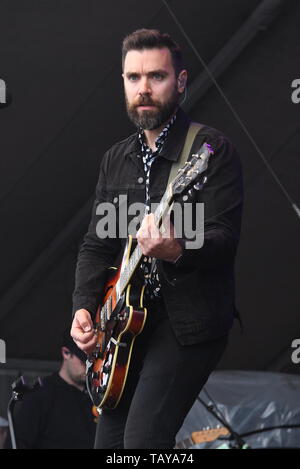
(58, 415)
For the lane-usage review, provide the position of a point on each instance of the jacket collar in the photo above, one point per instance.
(174, 143)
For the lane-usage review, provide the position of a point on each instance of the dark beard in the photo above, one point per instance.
(150, 120)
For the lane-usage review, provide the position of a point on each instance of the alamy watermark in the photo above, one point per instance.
(188, 221)
(296, 353)
(296, 93)
(2, 351)
(3, 96)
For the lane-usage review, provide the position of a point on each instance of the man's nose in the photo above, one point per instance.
(144, 86)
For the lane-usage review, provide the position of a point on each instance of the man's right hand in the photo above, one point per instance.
(83, 332)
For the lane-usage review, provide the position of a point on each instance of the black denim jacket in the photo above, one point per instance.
(199, 291)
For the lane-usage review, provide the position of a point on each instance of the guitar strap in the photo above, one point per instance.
(194, 128)
(183, 157)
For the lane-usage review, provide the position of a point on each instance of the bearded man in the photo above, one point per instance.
(189, 293)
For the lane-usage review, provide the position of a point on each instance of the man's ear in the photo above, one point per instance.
(181, 81)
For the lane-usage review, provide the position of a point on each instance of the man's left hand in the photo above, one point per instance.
(155, 244)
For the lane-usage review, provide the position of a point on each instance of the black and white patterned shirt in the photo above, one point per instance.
(148, 265)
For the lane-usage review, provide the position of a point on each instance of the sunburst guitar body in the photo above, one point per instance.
(117, 324)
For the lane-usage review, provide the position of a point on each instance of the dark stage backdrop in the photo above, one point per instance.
(60, 60)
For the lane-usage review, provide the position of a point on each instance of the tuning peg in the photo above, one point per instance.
(198, 186)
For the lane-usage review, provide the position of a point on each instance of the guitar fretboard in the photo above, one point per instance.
(136, 256)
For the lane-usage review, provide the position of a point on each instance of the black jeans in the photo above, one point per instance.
(163, 382)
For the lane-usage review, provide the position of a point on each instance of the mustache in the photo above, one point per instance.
(146, 101)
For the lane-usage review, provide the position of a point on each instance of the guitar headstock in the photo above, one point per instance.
(191, 170)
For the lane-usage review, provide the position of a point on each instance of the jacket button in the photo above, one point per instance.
(140, 180)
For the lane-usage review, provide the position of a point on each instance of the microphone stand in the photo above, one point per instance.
(236, 441)
(19, 389)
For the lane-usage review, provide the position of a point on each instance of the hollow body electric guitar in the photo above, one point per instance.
(121, 316)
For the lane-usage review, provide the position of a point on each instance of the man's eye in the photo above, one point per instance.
(133, 77)
(157, 76)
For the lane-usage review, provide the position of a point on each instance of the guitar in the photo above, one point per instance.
(122, 316)
(202, 436)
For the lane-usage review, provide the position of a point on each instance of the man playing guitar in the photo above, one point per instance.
(188, 293)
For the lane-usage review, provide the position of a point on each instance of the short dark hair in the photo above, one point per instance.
(69, 343)
(153, 39)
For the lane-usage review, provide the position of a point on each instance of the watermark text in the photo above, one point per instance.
(3, 97)
(188, 221)
(2, 351)
(296, 353)
(296, 93)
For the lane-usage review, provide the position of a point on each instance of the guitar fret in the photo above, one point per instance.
(103, 317)
(109, 307)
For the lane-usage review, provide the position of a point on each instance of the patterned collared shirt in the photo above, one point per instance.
(148, 265)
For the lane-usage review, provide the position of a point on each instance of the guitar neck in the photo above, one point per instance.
(184, 178)
(136, 257)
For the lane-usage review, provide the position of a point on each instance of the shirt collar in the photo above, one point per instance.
(174, 143)
(160, 140)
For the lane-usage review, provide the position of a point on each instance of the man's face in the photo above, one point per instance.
(76, 370)
(151, 88)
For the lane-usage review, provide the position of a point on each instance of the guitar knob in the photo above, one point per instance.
(100, 389)
(95, 375)
(106, 369)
